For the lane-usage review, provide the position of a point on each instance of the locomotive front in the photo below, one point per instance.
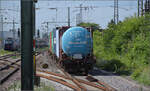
(77, 42)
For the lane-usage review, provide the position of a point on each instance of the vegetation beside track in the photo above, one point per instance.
(125, 48)
(4, 52)
(16, 86)
(42, 49)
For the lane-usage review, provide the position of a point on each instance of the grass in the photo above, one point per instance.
(114, 66)
(43, 87)
(4, 52)
(15, 57)
(42, 49)
(15, 87)
(142, 75)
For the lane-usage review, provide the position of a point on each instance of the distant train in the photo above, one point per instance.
(12, 44)
(73, 48)
(40, 43)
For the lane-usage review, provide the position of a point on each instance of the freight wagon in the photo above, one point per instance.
(73, 48)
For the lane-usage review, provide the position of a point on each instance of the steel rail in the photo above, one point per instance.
(66, 77)
(83, 81)
(59, 81)
(4, 60)
(73, 79)
(92, 79)
(7, 66)
(8, 56)
(8, 75)
(79, 80)
(5, 78)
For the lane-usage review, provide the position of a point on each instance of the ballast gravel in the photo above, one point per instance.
(117, 82)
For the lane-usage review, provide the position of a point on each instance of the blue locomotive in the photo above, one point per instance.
(73, 48)
(12, 44)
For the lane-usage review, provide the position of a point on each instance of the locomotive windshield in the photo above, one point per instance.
(8, 41)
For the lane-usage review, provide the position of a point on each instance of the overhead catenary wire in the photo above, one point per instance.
(83, 2)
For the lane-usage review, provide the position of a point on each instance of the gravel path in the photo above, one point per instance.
(118, 82)
(46, 59)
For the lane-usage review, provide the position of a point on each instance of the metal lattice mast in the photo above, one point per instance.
(68, 16)
(116, 12)
(1, 24)
(140, 8)
(80, 19)
(147, 6)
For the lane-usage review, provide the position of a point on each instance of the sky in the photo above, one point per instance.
(100, 12)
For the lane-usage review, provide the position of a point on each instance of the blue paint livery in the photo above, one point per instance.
(77, 41)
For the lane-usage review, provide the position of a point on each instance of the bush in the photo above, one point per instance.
(128, 43)
(142, 75)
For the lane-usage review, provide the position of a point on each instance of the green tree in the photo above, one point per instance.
(125, 47)
(94, 26)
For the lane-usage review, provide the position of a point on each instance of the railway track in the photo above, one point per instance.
(77, 83)
(9, 66)
(8, 55)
